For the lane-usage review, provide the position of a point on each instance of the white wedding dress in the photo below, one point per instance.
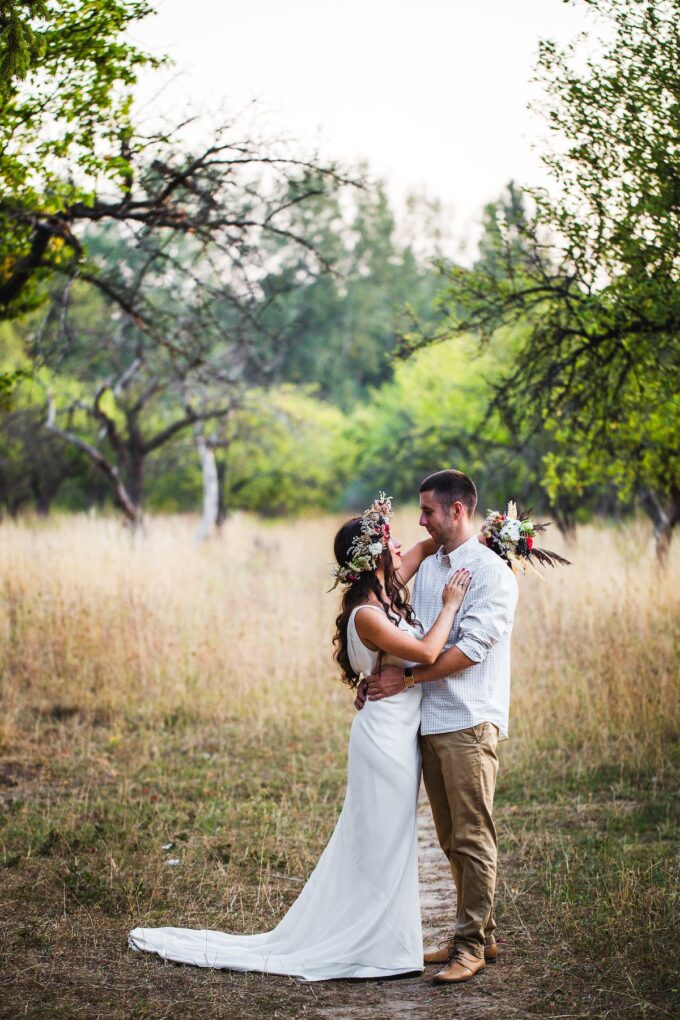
(358, 916)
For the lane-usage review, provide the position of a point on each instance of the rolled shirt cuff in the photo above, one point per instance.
(474, 650)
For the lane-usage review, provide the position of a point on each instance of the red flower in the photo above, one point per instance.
(530, 542)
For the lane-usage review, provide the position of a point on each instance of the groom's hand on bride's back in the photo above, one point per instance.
(388, 682)
(362, 694)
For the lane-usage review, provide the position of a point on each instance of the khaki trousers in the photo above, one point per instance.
(460, 771)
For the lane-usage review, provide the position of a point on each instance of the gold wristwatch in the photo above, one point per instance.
(409, 679)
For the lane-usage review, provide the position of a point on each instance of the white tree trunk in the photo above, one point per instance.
(210, 488)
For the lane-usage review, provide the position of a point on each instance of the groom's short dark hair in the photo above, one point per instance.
(451, 486)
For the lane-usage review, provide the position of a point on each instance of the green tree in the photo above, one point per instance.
(337, 329)
(181, 297)
(286, 453)
(66, 73)
(35, 466)
(21, 42)
(65, 130)
(164, 338)
(70, 158)
(433, 414)
(598, 279)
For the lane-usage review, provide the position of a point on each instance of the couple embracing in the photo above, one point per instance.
(433, 687)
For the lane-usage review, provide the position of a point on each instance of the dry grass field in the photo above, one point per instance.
(155, 691)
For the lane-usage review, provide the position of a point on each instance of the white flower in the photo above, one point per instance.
(375, 548)
(511, 531)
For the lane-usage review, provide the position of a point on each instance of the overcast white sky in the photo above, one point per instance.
(432, 94)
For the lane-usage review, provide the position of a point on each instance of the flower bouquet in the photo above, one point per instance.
(512, 536)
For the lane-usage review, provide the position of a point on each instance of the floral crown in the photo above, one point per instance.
(369, 543)
(512, 536)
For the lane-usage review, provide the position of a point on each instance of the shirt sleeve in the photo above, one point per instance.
(489, 612)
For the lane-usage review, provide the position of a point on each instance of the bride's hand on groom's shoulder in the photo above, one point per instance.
(362, 694)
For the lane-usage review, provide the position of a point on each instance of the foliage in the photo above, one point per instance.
(338, 329)
(176, 244)
(34, 465)
(287, 454)
(432, 415)
(65, 131)
(206, 342)
(21, 42)
(179, 285)
(594, 268)
(280, 452)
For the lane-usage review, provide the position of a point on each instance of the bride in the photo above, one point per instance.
(358, 916)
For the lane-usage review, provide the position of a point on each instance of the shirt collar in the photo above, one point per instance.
(457, 555)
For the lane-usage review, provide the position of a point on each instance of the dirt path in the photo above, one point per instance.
(492, 994)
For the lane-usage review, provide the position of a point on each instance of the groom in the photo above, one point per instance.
(465, 704)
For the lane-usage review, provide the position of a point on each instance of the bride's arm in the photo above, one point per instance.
(411, 560)
(377, 630)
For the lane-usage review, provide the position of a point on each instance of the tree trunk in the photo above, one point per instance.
(664, 519)
(221, 504)
(211, 486)
(122, 497)
(566, 523)
(44, 492)
(43, 501)
(134, 478)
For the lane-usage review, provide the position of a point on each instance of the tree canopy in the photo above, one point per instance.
(65, 130)
(593, 268)
(224, 316)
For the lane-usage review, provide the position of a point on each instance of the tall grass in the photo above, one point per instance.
(104, 628)
(156, 692)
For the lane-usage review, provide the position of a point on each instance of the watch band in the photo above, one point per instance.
(409, 679)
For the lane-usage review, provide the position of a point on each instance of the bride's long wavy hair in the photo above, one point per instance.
(393, 596)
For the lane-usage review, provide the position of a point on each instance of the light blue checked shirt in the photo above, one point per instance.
(481, 629)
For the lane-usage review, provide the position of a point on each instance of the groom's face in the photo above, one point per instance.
(438, 521)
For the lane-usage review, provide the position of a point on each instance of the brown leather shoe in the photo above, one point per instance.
(462, 967)
(440, 955)
(443, 954)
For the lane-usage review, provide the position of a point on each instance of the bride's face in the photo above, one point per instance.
(394, 545)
